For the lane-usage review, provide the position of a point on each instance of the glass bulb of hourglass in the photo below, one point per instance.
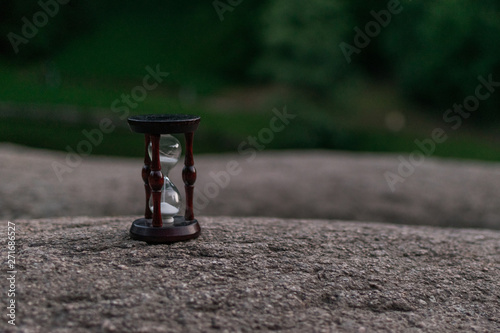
(170, 203)
(170, 151)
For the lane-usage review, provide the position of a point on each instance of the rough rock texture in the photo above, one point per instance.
(291, 184)
(249, 274)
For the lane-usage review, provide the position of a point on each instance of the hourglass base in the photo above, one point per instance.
(180, 230)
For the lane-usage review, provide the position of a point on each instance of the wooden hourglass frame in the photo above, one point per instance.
(151, 228)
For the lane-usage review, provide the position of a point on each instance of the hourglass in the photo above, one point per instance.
(161, 224)
(170, 151)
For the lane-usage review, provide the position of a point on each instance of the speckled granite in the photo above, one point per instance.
(255, 274)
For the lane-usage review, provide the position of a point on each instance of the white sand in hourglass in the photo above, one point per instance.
(168, 209)
(168, 161)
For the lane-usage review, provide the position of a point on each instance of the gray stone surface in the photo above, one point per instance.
(290, 184)
(255, 274)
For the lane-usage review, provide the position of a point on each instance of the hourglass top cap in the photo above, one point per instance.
(164, 123)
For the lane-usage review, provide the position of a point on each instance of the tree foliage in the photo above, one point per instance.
(434, 50)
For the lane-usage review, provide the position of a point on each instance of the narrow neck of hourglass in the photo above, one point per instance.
(167, 163)
(166, 180)
(165, 171)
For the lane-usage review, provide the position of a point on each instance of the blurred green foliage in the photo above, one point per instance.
(110, 39)
(63, 24)
(438, 58)
(92, 52)
(301, 42)
(435, 50)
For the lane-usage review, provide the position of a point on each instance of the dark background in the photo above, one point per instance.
(263, 54)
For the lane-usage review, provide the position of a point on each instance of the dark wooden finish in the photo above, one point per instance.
(164, 123)
(156, 180)
(151, 228)
(180, 230)
(146, 170)
(189, 176)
